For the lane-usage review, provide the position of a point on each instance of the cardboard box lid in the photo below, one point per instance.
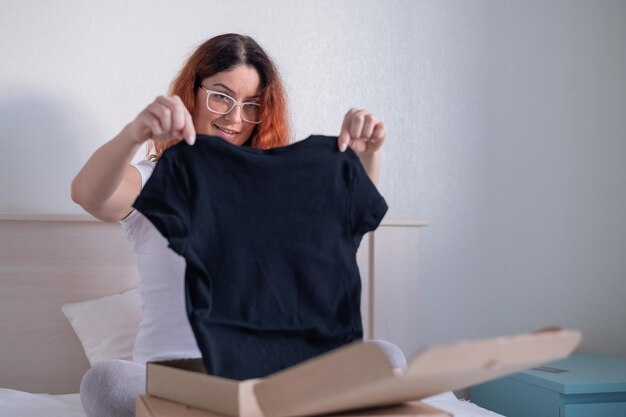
(358, 376)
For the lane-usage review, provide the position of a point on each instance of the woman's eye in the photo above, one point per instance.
(219, 97)
(252, 107)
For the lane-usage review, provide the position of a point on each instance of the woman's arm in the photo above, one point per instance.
(371, 163)
(365, 134)
(108, 185)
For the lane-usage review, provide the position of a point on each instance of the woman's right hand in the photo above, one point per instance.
(107, 185)
(164, 119)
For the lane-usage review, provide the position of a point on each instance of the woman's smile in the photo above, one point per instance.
(229, 132)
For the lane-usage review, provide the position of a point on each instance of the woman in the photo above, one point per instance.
(228, 88)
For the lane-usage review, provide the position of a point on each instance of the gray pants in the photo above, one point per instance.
(109, 388)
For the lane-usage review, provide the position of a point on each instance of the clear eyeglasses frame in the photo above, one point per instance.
(220, 103)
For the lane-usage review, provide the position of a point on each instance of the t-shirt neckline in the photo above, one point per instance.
(258, 151)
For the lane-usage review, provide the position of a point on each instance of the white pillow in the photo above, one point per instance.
(106, 326)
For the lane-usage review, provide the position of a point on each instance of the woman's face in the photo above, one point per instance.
(241, 83)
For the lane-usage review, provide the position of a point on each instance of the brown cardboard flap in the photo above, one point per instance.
(148, 406)
(316, 385)
(185, 382)
(358, 376)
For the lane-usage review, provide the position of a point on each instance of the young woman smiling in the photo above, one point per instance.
(228, 88)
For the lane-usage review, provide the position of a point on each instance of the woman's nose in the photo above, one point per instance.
(234, 115)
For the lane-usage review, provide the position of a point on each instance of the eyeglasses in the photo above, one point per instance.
(221, 103)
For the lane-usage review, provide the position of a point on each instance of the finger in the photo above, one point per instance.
(189, 131)
(178, 114)
(356, 124)
(369, 122)
(182, 122)
(343, 140)
(378, 137)
(153, 125)
(154, 113)
(344, 135)
(380, 132)
(164, 112)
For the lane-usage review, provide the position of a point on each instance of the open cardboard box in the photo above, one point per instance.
(354, 377)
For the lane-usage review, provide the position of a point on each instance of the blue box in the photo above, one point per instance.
(579, 386)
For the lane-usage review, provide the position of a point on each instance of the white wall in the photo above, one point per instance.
(564, 168)
(505, 120)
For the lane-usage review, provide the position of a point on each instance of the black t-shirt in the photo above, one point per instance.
(270, 240)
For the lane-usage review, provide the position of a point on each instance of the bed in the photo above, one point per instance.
(68, 298)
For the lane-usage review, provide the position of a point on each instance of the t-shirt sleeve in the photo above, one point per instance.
(367, 206)
(165, 201)
(145, 169)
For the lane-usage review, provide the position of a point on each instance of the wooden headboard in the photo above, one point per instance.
(50, 260)
(45, 262)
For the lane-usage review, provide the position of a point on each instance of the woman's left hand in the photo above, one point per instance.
(363, 132)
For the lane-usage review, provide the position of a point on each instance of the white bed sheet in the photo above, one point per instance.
(458, 408)
(23, 404)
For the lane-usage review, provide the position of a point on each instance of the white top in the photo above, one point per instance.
(165, 331)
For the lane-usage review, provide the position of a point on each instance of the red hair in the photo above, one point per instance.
(222, 53)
